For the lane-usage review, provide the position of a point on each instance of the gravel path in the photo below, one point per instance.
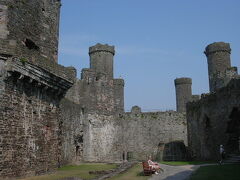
(175, 172)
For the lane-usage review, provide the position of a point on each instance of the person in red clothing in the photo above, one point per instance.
(155, 166)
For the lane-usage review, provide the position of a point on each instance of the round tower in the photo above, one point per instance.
(183, 88)
(101, 59)
(218, 57)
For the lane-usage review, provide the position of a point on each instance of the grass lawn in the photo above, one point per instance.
(81, 171)
(134, 173)
(182, 163)
(218, 172)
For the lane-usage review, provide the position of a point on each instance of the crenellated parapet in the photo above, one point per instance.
(217, 47)
(179, 81)
(88, 74)
(118, 82)
(101, 48)
(195, 98)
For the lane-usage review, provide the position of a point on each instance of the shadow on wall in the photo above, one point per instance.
(233, 129)
(172, 151)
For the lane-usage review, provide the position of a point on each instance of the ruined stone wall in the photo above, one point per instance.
(211, 122)
(90, 111)
(29, 28)
(147, 134)
(103, 139)
(87, 135)
(29, 123)
(72, 132)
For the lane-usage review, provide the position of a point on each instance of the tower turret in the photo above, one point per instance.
(29, 29)
(101, 59)
(119, 95)
(219, 63)
(183, 92)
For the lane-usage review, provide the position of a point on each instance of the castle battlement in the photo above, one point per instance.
(183, 80)
(118, 82)
(217, 47)
(101, 48)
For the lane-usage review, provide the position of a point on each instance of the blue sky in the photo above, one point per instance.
(156, 41)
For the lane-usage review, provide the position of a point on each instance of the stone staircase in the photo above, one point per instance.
(232, 158)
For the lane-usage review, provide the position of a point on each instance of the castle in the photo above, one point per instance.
(49, 117)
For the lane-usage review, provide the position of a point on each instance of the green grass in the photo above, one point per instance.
(218, 172)
(81, 171)
(134, 173)
(182, 163)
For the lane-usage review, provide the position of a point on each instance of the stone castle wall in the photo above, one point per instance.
(147, 134)
(89, 113)
(49, 118)
(103, 139)
(30, 125)
(210, 119)
(214, 119)
(29, 28)
(31, 87)
(72, 132)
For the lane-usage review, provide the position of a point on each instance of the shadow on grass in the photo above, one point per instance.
(218, 172)
(140, 173)
(182, 163)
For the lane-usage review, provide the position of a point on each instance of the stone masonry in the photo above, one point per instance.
(102, 132)
(44, 125)
(219, 65)
(183, 92)
(154, 133)
(49, 118)
(31, 87)
(215, 119)
(93, 133)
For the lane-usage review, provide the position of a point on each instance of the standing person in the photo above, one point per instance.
(222, 153)
(155, 166)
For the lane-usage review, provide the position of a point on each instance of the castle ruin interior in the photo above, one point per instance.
(50, 118)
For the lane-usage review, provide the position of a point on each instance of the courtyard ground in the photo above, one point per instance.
(199, 172)
(219, 172)
(175, 171)
(81, 171)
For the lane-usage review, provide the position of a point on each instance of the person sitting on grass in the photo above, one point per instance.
(155, 166)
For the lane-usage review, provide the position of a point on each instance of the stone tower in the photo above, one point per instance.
(31, 78)
(29, 28)
(183, 92)
(119, 95)
(219, 65)
(101, 59)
